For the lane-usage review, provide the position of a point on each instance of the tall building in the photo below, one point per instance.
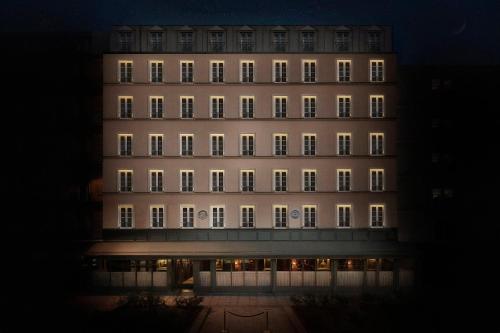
(259, 158)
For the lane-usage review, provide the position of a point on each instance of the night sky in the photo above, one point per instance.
(425, 31)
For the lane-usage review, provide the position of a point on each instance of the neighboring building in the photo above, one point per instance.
(259, 157)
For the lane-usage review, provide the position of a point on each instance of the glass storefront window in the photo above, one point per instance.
(350, 265)
(161, 264)
(204, 265)
(237, 265)
(323, 264)
(283, 264)
(308, 264)
(387, 265)
(250, 264)
(372, 264)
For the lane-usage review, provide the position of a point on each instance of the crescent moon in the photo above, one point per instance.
(461, 29)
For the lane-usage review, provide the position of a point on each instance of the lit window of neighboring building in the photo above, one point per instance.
(279, 73)
(247, 107)
(187, 71)
(157, 216)
(217, 144)
(187, 216)
(280, 106)
(156, 180)
(376, 70)
(309, 180)
(217, 216)
(344, 143)
(125, 216)
(309, 71)
(344, 216)
(187, 180)
(280, 180)
(125, 144)
(376, 180)
(376, 106)
(217, 107)
(343, 70)
(376, 216)
(186, 144)
(156, 107)
(343, 180)
(247, 180)
(309, 106)
(309, 216)
(280, 144)
(247, 216)
(376, 143)
(247, 144)
(187, 106)
(125, 180)
(309, 144)
(280, 213)
(344, 106)
(156, 71)
(217, 177)
(125, 111)
(217, 71)
(125, 73)
(156, 144)
(247, 71)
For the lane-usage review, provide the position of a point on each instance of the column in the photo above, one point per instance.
(273, 274)
(196, 274)
(365, 268)
(377, 273)
(213, 274)
(171, 274)
(333, 279)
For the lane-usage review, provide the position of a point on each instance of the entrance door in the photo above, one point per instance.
(184, 273)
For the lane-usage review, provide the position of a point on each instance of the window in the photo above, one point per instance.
(374, 41)
(309, 216)
(342, 41)
(216, 41)
(279, 71)
(247, 70)
(376, 180)
(280, 144)
(344, 216)
(217, 177)
(376, 143)
(343, 70)
(309, 106)
(247, 216)
(280, 41)
(376, 216)
(376, 106)
(280, 103)
(309, 71)
(156, 71)
(155, 40)
(343, 180)
(309, 180)
(187, 216)
(376, 70)
(157, 215)
(217, 71)
(156, 180)
(125, 107)
(185, 41)
(217, 107)
(217, 216)
(125, 39)
(309, 146)
(247, 180)
(125, 144)
(186, 144)
(125, 71)
(247, 107)
(217, 144)
(187, 180)
(187, 71)
(125, 180)
(156, 144)
(187, 104)
(247, 144)
(280, 216)
(307, 41)
(246, 41)
(344, 143)
(280, 183)
(344, 106)
(126, 216)
(156, 107)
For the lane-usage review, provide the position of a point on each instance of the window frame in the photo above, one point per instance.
(376, 134)
(181, 171)
(181, 77)
(126, 98)
(211, 74)
(164, 220)
(119, 182)
(125, 135)
(350, 70)
(351, 215)
(281, 180)
(181, 216)
(211, 216)
(191, 135)
(150, 180)
(217, 135)
(371, 179)
(252, 171)
(211, 107)
(151, 62)
(371, 106)
(253, 106)
(254, 215)
(253, 70)
(304, 144)
(273, 212)
(158, 98)
(315, 206)
(131, 62)
(372, 62)
(211, 173)
(274, 143)
(187, 103)
(310, 97)
(304, 180)
(281, 62)
(350, 106)
(338, 180)
(376, 205)
(309, 61)
(132, 217)
(350, 143)
(275, 97)
(253, 145)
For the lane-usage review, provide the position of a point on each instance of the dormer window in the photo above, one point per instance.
(280, 41)
(246, 41)
(155, 40)
(216, 41)
(307, 41)
(125, 39)
(374, 41)
(185, 41)
(342, 41)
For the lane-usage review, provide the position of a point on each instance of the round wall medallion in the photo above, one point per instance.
(202, 214)
(295, 214)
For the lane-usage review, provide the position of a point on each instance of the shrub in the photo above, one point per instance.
(188, 302)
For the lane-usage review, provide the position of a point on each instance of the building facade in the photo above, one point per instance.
(259, 158)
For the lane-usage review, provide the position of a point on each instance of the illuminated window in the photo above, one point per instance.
(344, 216)
(280, 216)
(187, 104)
(187, 216)
(217, 144)
(217, 216)
(247, 144)
(309, 216)
(280, 180)
(156, 144)
(309, 180)
(344, 106)
(376, 106)
(125, 180)
(125, 74)
(309, 106)
(187, 180)
(247, 216)
(247, 180)
(216, 71)
(280, 144)
(376, 216)
(187, 71)
(125, 107)
(156, 107)
(343, 180)
(247, 107)
(125, 216)
(376, 180)
(279, 73)
(156, 180)
(186, 144)
(309, 71)
(344, 143)
(343, 70)
(217, 177)
(247, 71)
(280, 106)
(156, 74)
(125, 144)
(309, 144)
(157, 216)
(376, 70)
(217, 107)
(377, 143)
